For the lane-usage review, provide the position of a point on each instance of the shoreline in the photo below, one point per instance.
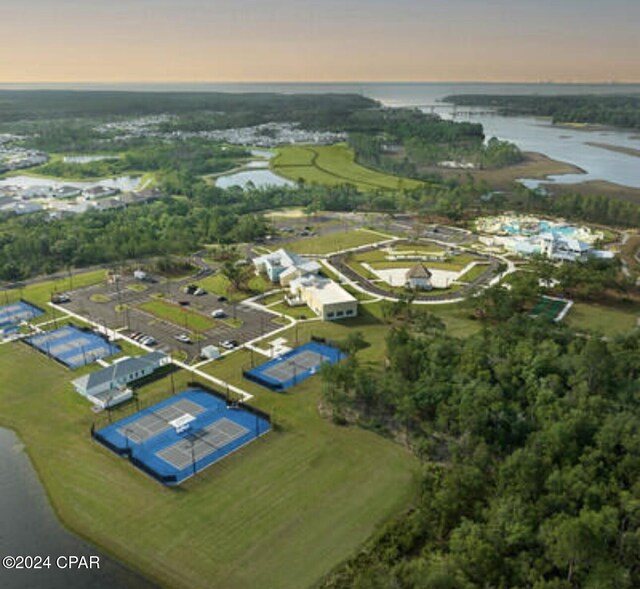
(615, 148)
(125, 564)
(595, 188)
(535, 166)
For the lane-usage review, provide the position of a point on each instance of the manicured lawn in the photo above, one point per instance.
(302, 312)
(137, 287)
(333, 242)
(333, 165)
(99, 298)
(420, 248)
(281, 512)
(475, 272)
(606, 320)
(220, 285)
(453, 264)
(181, 316)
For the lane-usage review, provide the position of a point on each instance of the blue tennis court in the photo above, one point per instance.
(11, 315)
(294, 366)
(181, 436)
(72, 346)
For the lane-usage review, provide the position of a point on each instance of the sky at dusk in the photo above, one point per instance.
(330, 40)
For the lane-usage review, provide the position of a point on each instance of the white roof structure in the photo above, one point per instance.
(287, 264)
(325, 291)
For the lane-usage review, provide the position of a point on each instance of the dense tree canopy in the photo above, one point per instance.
(530, 439)
(616, 110)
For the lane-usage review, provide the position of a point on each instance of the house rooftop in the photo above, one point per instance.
(119, 370)
(418, 271)
(325, 291)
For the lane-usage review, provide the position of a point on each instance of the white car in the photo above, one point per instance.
(218, 314)
(184, 338)
(229, 344)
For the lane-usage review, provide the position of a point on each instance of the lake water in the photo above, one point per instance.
(123, 183)
(28, 526)
(86, 159)
(260, 179)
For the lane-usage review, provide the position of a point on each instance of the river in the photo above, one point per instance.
(29, 527)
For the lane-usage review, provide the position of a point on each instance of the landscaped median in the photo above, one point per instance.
(178, 315)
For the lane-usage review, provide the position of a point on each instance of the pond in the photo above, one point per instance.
(123, 183)
(30, 527)
(259, 178)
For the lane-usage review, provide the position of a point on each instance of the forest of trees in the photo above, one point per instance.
(614, 110)
(529, 439)
(379, 137)
(194, 158)
(245, 108)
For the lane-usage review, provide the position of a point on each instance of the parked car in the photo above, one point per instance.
(148, 341)
(199, 292)
(229, 344)
(218, 314)
(184, 338)
(60, 297)
(222, 299)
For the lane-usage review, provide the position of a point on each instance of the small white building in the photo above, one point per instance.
(419, 278)
(210, 352)
(108, 386)
(283, 266)
(324, 297)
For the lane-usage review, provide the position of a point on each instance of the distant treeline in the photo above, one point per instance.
(248, 108)
(403, 141)
(615, 110)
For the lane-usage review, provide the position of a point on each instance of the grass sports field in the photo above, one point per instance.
(333, 242)
(333, 165)
(280, 513)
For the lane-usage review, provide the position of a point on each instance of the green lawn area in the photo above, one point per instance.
(606, 320)
(332, 242)
(475, 272)
(280, 512)
(220, 285)
(333, 165)
(181, 316)
(272, 298)
(453, 264)
(302, 312)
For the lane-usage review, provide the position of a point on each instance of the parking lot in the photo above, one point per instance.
(117, 305)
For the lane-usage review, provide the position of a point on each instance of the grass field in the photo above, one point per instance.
(605, 320)
(378, 259)
(333, 242)
(181, 316)
(279, 513)
(220, 285)
(333, 165)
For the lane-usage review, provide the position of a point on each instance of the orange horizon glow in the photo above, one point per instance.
(289, 41)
